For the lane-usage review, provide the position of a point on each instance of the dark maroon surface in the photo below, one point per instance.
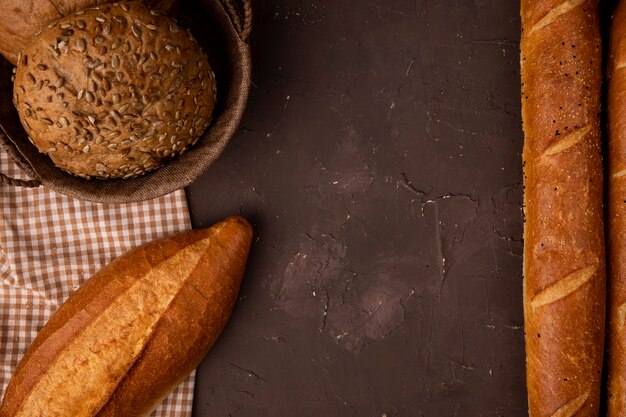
(379, 160)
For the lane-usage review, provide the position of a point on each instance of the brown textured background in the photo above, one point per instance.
(379, 160)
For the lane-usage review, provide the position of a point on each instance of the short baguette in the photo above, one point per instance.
(564, 261)
(134, 330)
(616, 216)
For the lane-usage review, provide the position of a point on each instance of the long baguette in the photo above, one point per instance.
(616, 216)
(134, 330)
(564, 262)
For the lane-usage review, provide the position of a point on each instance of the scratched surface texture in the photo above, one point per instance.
(379, 160)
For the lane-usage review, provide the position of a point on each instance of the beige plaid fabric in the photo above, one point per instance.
(50, 244)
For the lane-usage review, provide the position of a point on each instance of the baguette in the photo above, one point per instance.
(616, 216)
(564, 262)
(134, 330)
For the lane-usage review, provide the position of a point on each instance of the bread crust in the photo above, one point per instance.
(564, 260)
(21, 20)
(616, 216)
(183, 334)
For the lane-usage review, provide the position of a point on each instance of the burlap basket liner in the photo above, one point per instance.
(222, 33)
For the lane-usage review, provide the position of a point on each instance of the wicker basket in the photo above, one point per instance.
(222, 29)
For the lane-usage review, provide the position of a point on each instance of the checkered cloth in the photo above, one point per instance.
(50, 244)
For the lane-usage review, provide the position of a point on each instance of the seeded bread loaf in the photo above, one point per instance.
(114, 91)
(20, 20)
(616, 216)
(134, 330)
(564, 262)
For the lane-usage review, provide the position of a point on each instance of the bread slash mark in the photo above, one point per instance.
(564, 287)
(619, 174)
(568, 141)
(621, 314)
(572, 407)
(619, 66)
(554, 14)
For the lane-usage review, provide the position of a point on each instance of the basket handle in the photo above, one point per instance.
(5, 179)
(242, 20)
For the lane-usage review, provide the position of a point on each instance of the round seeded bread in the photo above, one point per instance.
(21, 20)
(114, 91)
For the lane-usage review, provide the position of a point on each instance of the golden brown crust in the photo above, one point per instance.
(183, 333)
(20, 20)
(193, 324)
(114, 92)
(564, 263)
(616, 216)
